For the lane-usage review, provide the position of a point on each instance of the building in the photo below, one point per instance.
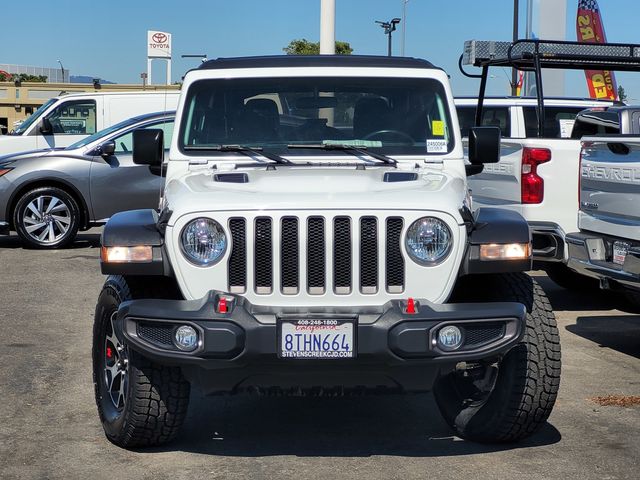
(19, 100)
(54, 75)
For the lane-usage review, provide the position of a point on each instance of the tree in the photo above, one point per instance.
(622, 96)
(21, 77)
(303, 46)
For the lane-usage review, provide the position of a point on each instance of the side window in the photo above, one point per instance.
(635, 123)
(77, 117)
(124, 143)
(595, 123)
(167, 128)
(491, 117)
(558, 121)
(466, 117)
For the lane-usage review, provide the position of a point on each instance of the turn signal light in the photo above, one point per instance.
(507, 251)
(4, 170)
(138, 254)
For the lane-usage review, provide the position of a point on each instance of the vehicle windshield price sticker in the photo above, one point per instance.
(317, 339)
(436, 146)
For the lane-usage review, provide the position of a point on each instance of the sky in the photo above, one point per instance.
(108, 39)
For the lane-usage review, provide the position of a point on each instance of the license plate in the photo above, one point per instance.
(620, 250)
(316, 339)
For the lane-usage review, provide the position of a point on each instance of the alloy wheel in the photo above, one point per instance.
(116, 367)
(47, 219)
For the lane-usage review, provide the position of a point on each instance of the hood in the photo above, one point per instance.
(4, 159)
(316, 188)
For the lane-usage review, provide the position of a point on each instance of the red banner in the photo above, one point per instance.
(601, 83)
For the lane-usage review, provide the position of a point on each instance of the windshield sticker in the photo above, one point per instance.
(436, 146)
(566, 126)
(437, 128)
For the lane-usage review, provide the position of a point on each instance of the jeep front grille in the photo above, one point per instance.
(317, 255)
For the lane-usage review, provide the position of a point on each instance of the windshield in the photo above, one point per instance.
(103, 133)
(24, 126)
(394, 115)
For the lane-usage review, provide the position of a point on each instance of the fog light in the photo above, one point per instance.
(186, 338)
(449, 338)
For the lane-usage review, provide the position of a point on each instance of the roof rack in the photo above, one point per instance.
(534, 55)
(522, 54)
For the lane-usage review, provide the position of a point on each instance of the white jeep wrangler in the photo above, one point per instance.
(315, 236)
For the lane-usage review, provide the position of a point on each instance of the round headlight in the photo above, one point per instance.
(203, 241)
(428, 241)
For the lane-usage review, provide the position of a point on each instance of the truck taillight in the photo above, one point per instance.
(532, 184)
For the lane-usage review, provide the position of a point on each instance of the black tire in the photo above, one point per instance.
(156, 397)
(563, 276)
(528, 376)
(59, 230)
(633, 300)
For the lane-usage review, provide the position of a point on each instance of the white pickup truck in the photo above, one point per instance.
(537, 175)
(608, 245)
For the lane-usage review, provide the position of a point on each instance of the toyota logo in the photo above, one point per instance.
(159, 37)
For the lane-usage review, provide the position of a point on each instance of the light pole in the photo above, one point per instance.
(404, 25)
(389, 28)
(62, 69)
(327, 27)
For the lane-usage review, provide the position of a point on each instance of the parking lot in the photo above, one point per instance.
(49, 427)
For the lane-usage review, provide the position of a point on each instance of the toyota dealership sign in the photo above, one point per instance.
(158, 44)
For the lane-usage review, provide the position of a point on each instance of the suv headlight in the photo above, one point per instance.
(428, 241)
(203, 242)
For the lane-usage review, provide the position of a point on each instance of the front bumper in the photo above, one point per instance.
(582, 244)
(4, 228)
(238, 349)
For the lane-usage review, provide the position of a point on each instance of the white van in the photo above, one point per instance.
(66, 119)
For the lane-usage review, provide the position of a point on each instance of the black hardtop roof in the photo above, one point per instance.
(275, 61)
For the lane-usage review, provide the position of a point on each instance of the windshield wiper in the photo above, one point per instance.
(243, 149)
(361, 151)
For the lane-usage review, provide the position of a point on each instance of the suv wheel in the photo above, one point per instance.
(506, 399)
(47, 217)
(139, 402)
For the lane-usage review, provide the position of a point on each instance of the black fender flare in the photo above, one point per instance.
(495, 226)
(135, 228)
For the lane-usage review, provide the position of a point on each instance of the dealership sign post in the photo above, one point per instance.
(158, 46)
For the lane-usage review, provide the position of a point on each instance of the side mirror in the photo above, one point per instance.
(107, 148)
(46, 128)
(148, 146)
(484, 145)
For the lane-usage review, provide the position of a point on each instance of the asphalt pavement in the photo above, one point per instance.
(49, 426)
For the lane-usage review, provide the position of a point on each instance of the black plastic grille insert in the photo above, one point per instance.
(263, 256)
(368, 254)
(394, 261)
(289, 256)
(238, 258)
